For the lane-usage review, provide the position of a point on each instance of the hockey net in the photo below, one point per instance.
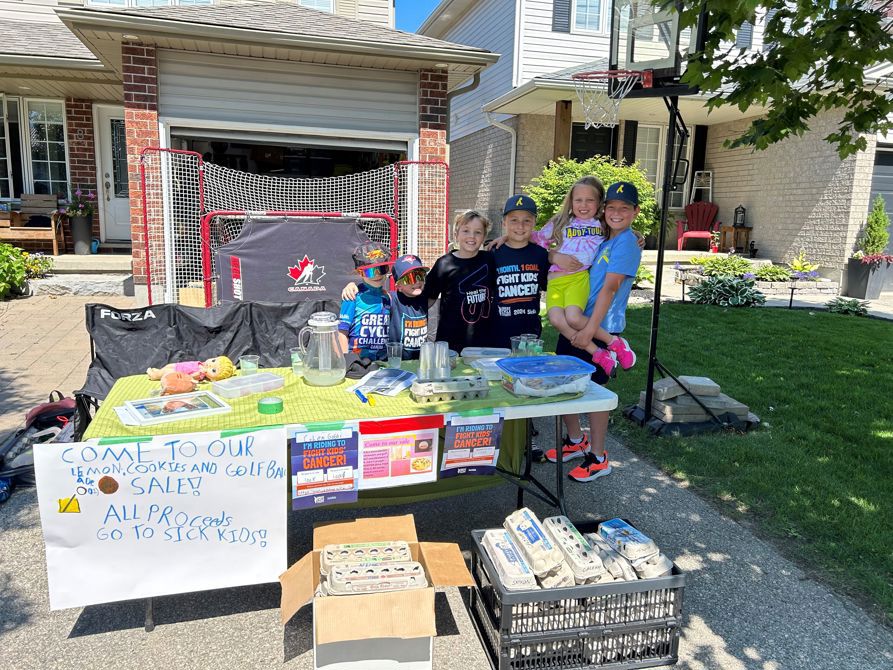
(180, 189)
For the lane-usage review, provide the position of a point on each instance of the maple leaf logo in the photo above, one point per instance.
(303, 272)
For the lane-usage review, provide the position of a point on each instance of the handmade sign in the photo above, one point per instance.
(398, 452)
(323, 465)
(471, 444)
(171, 514)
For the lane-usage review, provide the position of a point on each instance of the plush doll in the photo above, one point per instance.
(177, 382)
(213, 369)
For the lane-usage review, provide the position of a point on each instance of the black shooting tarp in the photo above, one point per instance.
(288, 260)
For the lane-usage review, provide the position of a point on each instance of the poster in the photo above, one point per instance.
(471, 444)
(323, 465)
(399, 452)
(171, 514)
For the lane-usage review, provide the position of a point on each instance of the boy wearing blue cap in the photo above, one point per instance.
(363, 321)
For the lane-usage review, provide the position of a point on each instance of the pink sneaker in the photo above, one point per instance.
(606, 360)
(625, 355)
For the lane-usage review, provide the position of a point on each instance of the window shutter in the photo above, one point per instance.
(768, 46)
(561, 16)
(744, 40)
(630, 130)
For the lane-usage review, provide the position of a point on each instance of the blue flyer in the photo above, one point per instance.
(323, 466)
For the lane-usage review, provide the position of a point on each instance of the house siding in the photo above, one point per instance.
(479, 172)
(798, 193)
(546, 51)
(374, 11)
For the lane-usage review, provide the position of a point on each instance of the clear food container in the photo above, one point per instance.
(238, 387)
(470, 354)
(487, 368)
(545, 376)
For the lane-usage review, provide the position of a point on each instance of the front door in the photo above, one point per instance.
(113, 191)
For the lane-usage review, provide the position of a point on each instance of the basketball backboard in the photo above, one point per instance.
(645, 37)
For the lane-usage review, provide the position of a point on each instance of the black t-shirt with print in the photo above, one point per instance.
(520, 276)
(409, 322)
(465, 288)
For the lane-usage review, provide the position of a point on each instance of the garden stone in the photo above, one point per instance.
(722, 402)
(700, 385)
(664, 389)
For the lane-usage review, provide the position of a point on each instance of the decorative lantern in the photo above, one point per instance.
(740, 216)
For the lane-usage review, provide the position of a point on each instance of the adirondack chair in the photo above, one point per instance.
(698, 222)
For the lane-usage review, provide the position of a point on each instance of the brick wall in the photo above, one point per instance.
(81, 155)
(536, 137)
(432, 147)
(140, 83)
(798, 193)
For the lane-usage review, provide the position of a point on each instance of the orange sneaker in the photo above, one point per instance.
(591, 468)
(570, 450)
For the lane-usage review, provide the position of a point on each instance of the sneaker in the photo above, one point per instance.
(605, 359)
(570, 450)
(591, 468)
(537, 455)
(625, 355)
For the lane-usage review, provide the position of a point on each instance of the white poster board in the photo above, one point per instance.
(172, 514)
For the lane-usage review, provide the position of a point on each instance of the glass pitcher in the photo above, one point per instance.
(324, 363)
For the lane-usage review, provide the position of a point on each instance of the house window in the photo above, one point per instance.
(5, 167)
(648, 150)
(321, 5)
(46, 140)
(588, 15)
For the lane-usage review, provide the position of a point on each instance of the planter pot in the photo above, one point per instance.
(714, 250)
(81, 234)
(866, 280)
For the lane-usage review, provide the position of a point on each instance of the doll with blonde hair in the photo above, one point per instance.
(213, 369)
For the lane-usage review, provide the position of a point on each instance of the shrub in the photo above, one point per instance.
(803, 266)
(556, 179)
(37, 265)
(726, 292)
(12, 270)
(772, 273)
(643, 274)
(731, 265)
(874, 238)
(850, 307)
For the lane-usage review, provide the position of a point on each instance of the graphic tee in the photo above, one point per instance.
(581, 240)
(465, 288)
(520, 276)
(365, 322)
(409, 322)
(619, 255)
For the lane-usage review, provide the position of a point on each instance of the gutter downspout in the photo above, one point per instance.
(475, 82)
(514, 133)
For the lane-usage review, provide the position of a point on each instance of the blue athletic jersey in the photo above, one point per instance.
(619, 255)
(365, 322)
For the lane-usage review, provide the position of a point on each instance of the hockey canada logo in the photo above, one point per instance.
(307, 275)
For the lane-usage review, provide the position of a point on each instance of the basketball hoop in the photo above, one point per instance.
(601, 92)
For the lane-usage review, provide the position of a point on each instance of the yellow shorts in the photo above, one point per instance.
(567, 290)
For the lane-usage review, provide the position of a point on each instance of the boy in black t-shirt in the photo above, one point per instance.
(522, 270)
(409, 308)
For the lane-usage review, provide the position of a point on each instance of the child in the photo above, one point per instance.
(576, 231)
(363, 326)
(521, 271)
(610, 278)
(463, 280)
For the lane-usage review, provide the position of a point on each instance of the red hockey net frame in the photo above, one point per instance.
(214, 236)
(179, 189)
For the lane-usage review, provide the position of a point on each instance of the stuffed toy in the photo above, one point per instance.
(177, 382)
(213, 369)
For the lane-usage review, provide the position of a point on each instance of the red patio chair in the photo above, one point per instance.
(698, 222)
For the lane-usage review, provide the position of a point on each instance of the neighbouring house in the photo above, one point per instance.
(307, 88)
(798, 193)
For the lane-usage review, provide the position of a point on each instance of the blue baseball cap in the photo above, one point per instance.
(522, 202)
(406, 263)
(624, 191)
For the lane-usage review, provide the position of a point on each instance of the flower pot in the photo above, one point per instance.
(81, 234)
(714, 250)
(866, 280)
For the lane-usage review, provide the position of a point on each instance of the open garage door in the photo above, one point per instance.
(882, 184)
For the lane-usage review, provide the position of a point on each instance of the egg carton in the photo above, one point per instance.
(374, 578)
(615, 564)
(537, 549)
(579, 555)
(658, 565)
(512, 570)
(445, 390)
(363, 552)
(558, 577)
(626, 540)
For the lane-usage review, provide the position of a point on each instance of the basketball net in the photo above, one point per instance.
(600, 104)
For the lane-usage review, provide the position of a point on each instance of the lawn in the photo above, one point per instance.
(818, 475)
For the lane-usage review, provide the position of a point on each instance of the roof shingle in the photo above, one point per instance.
(54, 40)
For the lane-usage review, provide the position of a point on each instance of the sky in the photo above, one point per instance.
(412, 13)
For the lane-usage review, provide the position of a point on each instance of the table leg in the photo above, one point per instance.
(528, 462)
(150, 616)
(559, 468)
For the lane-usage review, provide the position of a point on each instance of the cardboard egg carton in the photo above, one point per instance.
(535, 545)
(374, 578)
(581, 558)
(363, 553)
(445, 390)
(627, 540)
(512, 569)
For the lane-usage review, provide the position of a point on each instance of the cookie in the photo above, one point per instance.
(107, 485)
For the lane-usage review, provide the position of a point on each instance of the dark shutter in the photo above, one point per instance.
(561, 16)
(698, 152)
(630, 130)
(744, 39)
(615, 140)
(593, 142)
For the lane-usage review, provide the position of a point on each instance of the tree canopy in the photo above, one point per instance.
(817, 60)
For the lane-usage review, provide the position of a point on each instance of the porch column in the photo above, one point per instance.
(81, 157)
(562, 141)
(432, 235)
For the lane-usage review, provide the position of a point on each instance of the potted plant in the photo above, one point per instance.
(869, 267)
(80, 216)
(714, 241)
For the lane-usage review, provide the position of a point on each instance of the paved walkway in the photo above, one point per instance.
(746, 607)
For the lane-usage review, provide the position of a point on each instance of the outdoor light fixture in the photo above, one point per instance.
(740, 216)
(130, 37)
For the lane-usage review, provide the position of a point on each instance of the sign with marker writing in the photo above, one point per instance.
(323, 465)
(171, 514)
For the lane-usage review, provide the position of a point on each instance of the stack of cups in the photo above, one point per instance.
(426, 361)
(441, 360)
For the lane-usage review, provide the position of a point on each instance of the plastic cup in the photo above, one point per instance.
(297, 363)
(441, 360)
(519, 345)
(535, 347)
(248, 365)
(426, 360)
(395, 355)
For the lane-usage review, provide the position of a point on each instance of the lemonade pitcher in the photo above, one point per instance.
(324, 363)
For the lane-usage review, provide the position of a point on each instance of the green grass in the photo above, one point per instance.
(818, 475)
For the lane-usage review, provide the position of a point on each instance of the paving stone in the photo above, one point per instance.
(700, 385)
(721, 401)
(666, 388)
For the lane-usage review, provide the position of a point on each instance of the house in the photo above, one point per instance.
(798, 194)
(306, 88)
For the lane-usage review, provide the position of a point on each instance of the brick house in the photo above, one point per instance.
(524, 112)
(260, 86)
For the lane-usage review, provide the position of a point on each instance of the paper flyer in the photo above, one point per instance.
(399, 452)
(471, 444)
(384, 381)
(323, 465)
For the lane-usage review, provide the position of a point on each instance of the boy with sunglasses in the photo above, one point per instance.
(364, 320)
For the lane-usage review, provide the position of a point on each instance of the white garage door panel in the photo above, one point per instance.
(245, 90)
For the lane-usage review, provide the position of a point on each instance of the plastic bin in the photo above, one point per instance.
(616, 625)
(545, 376)
(237, 387)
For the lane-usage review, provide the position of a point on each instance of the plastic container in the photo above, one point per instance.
(488, 368)
(470, 354)
(379, 553)
(620, 624)
(457, 388)
(238, 387)
(545, 376)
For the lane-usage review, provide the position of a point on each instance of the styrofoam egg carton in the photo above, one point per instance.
(530, 537)
(363, 552)
(583, 560)
(627, 540)
(375, 578)
(513, 571)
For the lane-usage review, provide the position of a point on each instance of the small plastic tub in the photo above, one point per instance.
(487, 368)
(545, 376)
(238, 387)
(470, 354)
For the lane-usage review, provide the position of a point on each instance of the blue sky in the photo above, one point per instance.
(412, 13)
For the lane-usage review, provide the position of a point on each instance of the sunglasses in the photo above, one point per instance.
(412, 277)
(375, 272)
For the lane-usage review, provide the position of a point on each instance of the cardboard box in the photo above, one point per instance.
(376, 631)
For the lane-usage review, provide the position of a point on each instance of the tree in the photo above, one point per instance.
(817, 59)
(874, 238)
